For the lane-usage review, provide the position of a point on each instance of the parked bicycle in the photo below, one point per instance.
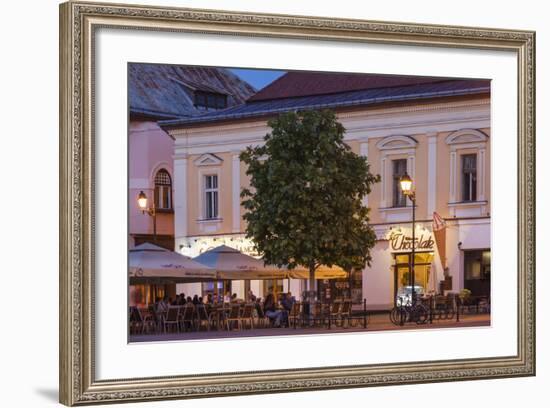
(406, 311)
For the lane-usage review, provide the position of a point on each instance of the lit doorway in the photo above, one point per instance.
(401, 275)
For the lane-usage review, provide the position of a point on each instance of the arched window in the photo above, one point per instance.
(163, 190)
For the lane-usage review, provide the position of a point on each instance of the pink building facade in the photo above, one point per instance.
(158, 92)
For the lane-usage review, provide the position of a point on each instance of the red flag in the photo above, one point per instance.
(439, 228)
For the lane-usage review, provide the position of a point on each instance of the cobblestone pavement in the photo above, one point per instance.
(376, 322)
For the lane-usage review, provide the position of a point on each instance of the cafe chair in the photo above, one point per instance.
(172, 318)
(262, 319)
(247, 316)
(295, 316)
(345, 313)
(234, 316)
(136, 321)
(202, 317)
(187, 318)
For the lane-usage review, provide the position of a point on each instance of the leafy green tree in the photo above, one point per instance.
(305, 204)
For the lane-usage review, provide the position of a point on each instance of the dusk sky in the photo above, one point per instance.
(258, 78)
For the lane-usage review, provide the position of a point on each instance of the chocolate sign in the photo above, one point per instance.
(402, 242)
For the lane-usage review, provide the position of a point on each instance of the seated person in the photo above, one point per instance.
(251, 297)
(270, 310)
(162, 305)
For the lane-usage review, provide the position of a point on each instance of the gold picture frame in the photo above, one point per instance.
(78, 22)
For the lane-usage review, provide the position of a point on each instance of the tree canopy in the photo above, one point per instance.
(305, 201)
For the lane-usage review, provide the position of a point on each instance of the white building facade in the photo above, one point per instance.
(442, 143)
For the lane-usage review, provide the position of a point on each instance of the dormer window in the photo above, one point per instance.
(210, 100)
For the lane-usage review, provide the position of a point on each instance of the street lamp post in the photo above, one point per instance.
(407, 188)
(151, 211)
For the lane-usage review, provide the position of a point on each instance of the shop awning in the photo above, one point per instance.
(151, 263)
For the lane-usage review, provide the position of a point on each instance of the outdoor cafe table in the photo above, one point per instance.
(218, 313)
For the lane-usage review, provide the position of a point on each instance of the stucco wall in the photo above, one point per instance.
(150, 149)
(369, 126)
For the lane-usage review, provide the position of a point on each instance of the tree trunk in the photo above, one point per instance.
(312, 290)
(350, 282)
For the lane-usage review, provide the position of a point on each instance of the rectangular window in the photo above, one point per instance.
(469, 177)
(163, 190)
(477, 272)
(163, 197)
(211, 196)
(399, 169)
(477, 265)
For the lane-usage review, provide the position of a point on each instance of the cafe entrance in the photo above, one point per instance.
(401, 272)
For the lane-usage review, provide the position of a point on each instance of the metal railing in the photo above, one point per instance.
(428, 309)
(339, 313)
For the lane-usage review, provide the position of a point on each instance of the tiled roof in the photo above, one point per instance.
(298, 83)
(418, 91)
(166, 91)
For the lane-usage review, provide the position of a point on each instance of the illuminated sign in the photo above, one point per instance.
(194, 246)
(401, 242)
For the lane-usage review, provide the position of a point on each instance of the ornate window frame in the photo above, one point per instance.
(392, 148)
(208, 164)
(461, 142)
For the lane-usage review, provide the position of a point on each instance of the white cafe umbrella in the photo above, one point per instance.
(150, 262)
(230, 263)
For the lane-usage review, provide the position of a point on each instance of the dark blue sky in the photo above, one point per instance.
(258, 78)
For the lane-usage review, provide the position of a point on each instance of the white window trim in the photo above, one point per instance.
(386, 174)
(467, 203)
(208, 159)
(459, 142)
(397, 142)
(364, 152)
(202, 189)
(471, 183)
(391, 147)
(432, 172)
(464, 136)
(406, 209)
(213, 204)
(180, 194)
(235, 191)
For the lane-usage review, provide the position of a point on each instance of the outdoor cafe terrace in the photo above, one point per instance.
(188, 318)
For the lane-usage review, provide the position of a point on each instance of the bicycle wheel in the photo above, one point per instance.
(397, 316)
(422, 313)
(394, 315)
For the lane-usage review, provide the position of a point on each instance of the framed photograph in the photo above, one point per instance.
(256, 203)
